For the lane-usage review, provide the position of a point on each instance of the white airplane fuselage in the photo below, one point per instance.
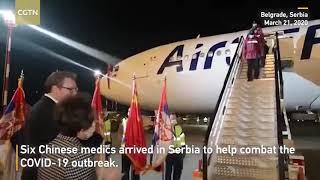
(195, 70)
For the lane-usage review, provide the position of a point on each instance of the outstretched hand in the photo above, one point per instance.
(109, 174)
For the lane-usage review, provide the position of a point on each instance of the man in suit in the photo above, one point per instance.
(41, 127)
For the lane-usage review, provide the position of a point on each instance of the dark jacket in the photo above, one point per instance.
(41, 128)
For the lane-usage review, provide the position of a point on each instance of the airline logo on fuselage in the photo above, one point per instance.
(310, 40)
(195, 57)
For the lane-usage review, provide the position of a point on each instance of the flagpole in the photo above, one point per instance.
(163, 172)
(157, 113)
(134, 133)
(6, 70)
(22, 74)
(100, 129)
(164, 168)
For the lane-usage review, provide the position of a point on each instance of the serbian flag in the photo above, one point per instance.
(162, 137)
(96, 104)
(11, 121)
(14, 115)
(134, 133)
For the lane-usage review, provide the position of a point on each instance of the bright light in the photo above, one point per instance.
(68, 60)
(8, 16)
(198, 119)
(97, 73)
(102, 56)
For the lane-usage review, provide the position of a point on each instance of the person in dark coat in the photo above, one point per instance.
(41, 127)
(75, 117)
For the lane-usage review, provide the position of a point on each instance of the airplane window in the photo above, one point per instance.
(210, 54)
(317, 35)
(228, 52)
(219, 53)
(194, 56)
(202, 54)
(153, 58)
(116, 68)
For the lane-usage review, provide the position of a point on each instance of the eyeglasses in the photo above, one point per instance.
(71, 89)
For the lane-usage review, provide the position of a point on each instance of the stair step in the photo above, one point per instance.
(268, 69)
(249, 100)
(254, 105)
(247, 141)
(255, 85)
(252, 91)
(249, 96)
(245, 172)
(269, 75)
(260, 161)
(248, 133)
(237, 178)
(250, 117)
(245, 83)
(247, 126)
(269, 66)
(263, 112)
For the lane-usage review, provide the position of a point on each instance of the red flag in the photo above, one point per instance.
(97, 106)
(134, 133)
(14, 115)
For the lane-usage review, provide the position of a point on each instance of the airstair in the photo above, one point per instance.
(248, 124)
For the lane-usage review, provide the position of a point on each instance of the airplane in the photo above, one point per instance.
(195, 70)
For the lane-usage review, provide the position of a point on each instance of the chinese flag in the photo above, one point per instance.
(97, 106)
(134, 134)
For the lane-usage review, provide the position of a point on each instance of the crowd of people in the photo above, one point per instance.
(61, 118)
(64, 118)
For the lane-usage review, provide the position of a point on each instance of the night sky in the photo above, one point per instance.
(119, 28)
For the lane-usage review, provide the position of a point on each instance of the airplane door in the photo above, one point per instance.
(286, 48)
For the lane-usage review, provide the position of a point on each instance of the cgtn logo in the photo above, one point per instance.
(28, 12)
